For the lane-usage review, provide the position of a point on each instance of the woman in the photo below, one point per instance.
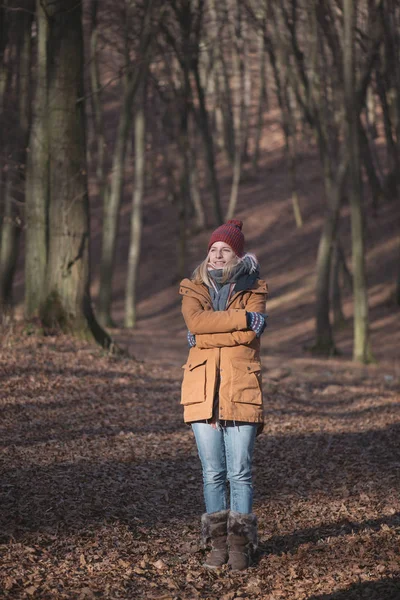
(224, 309)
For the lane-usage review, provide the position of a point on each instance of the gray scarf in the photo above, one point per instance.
(220, 298)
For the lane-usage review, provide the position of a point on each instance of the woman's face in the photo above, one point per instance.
(220, 255)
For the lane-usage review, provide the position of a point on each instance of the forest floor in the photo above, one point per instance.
(101, 485)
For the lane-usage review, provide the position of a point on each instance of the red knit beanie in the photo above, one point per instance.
(230, 233)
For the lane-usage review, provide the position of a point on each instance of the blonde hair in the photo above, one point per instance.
(200, 274)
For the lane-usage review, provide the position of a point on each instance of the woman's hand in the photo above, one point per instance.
(257, 322)
(191, 339)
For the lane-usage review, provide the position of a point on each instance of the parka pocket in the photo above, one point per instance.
(194, 382)
(246, 383)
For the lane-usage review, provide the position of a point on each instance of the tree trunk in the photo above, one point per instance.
(391, 146)
(67, 303)
(195, 195)
(184, 193)
(282, 93)
(371, 113)
(238, 72)
(112, 205)
(209, 147)
(37, 184)
(223, 111)
(13, 192)
(390, 81)
(291, 155)
(361, 347)
(96, 97)
(247, 86)
(10, 233)
(324, 341)
(136, 215)
(371, 167)
(113, 199)
(397, 292)
(263, 96)
(338, 316)
(4, 40)
(24, 69)
(184, 145)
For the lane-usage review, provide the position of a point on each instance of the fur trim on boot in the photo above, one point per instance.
(242, 539)
(214, 534)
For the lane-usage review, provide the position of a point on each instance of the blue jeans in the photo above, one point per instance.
(226, 454)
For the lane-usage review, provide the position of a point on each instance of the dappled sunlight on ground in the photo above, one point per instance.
(101, 484)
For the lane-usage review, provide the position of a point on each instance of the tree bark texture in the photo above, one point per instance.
(338, 315)
(324, 341)
(16, 157)
(136, 215)
(361, 345)
(238, 73)
(37, 179)
(114, 197)
(67, 302)
(195, 194)
(263, 93)
(10, 234)
(96, 96)
(112, 204)
(223, 110)
(209, 148)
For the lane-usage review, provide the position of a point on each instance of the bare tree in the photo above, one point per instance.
(312, 48)
(14, 145)
(95, 95)
(136, 214)
(187, 16)
(361, 346)
(37, 177)
(263, 104)
(134, 75)
(239, 109)
(66, 303)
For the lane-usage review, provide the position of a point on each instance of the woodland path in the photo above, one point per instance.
(100, 484)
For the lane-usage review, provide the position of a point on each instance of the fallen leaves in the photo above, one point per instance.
(101, 485)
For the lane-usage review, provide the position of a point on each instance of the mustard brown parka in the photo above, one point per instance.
(227, 353)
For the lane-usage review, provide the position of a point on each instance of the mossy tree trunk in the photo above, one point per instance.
(67, 302)
(324, 339)
(361, 343)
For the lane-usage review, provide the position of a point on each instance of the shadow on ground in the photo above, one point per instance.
(384, 589)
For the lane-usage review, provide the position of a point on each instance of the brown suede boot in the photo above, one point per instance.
(214, 533)
(242, 539)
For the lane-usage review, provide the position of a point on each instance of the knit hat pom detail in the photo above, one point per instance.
(230, 233)
(236, 223)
